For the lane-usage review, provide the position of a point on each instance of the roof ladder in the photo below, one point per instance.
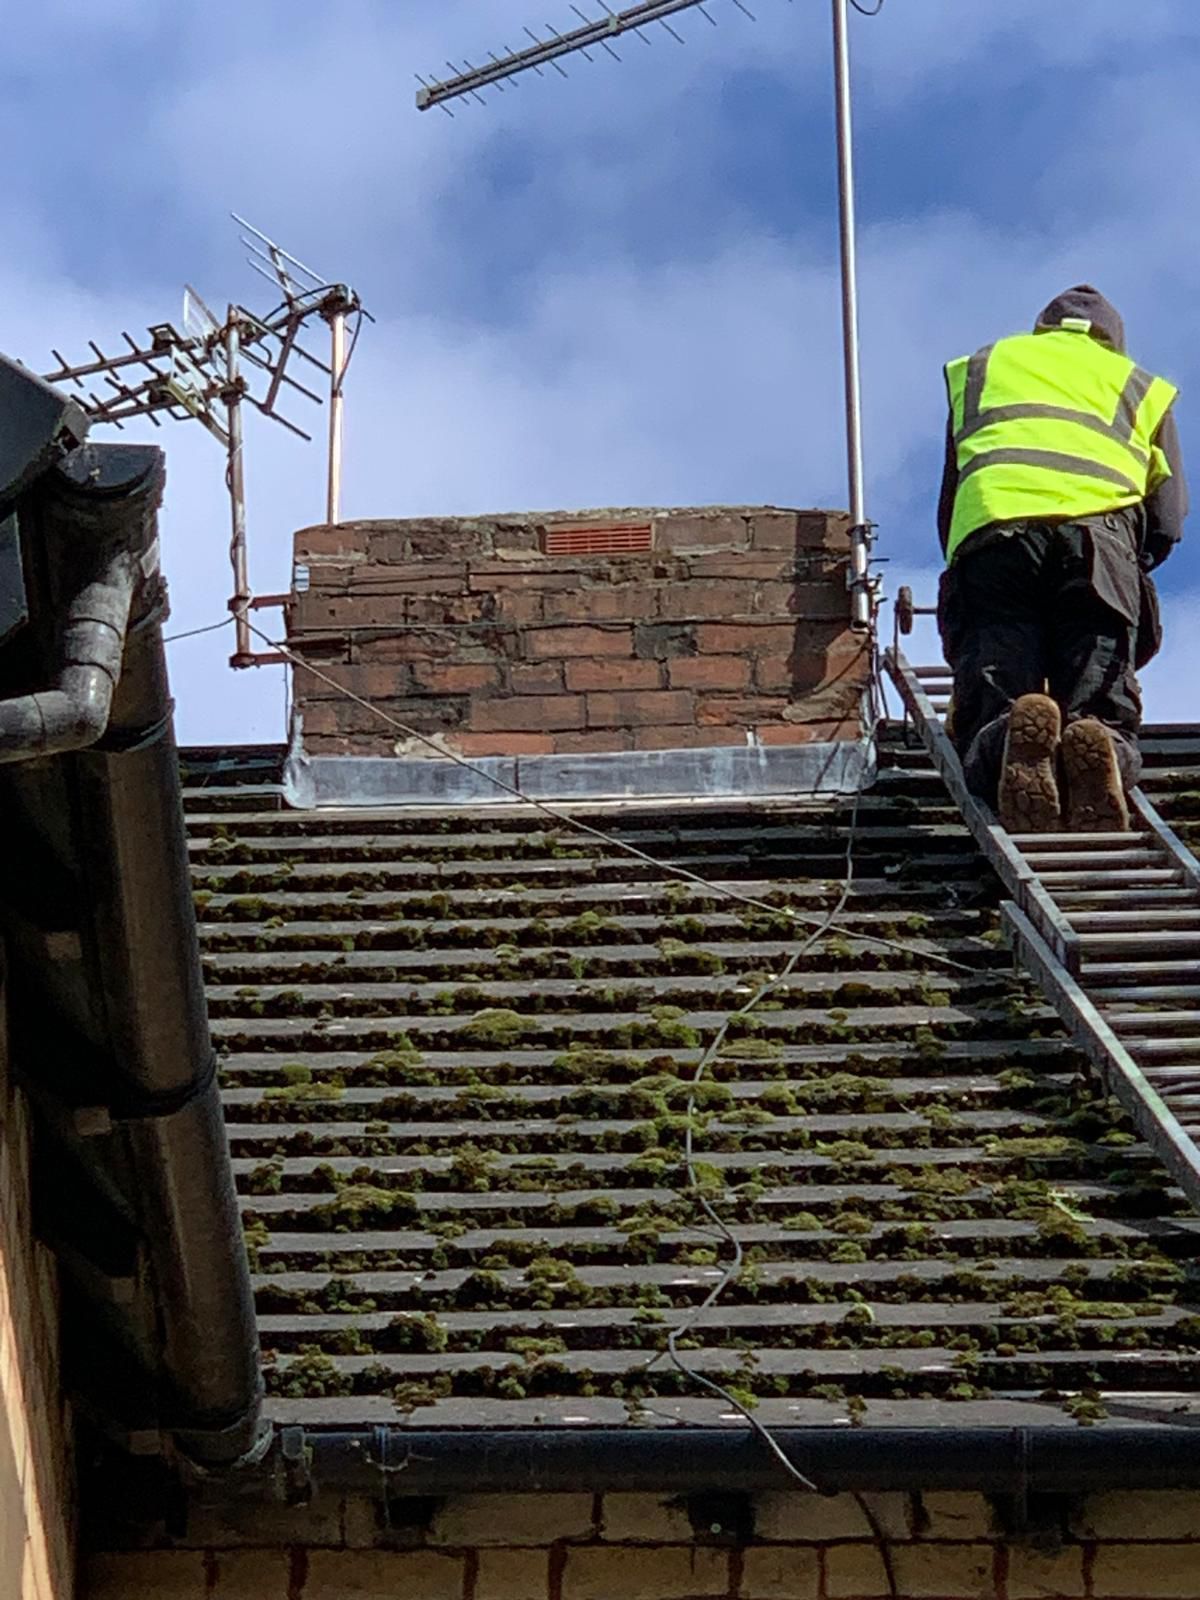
(1108, 924)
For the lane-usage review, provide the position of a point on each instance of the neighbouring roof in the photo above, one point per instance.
(455, 1048)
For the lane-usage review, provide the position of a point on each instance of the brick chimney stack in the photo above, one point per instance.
(578, 633)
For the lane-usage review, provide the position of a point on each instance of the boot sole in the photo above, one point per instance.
(1029, 800)
(1095, 795)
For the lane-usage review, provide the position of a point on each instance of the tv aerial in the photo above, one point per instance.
(210, 369)
(599, 34)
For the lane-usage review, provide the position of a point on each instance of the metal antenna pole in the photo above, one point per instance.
(239, 604)
(860, 531)
(336, 317)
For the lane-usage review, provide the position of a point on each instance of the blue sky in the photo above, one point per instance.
(615, 289)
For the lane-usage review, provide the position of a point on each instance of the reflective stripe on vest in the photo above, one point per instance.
(1052, 425)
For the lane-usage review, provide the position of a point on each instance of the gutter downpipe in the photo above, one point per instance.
(110, 704)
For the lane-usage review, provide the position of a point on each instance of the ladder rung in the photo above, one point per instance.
(1073, 841)
(1151, 877)
(1181, 1049)
(1183, 918)
(1136, 943)
(1142, 994)
(1151, 1021)
(939, 670)
(1150, 968)
(1099, 861)
(1080, 899)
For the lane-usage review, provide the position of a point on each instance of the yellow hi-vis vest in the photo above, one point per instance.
(1052, 425)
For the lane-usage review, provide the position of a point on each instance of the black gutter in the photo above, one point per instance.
(105, 826)
(396, 1461)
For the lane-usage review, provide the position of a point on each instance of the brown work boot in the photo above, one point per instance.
(1095, 794)
(1028, 786)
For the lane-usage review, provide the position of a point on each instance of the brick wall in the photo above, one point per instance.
(730, 629)
(1123, 1546)
(35, 1476)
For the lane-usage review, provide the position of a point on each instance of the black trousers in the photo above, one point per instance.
(1032, 607)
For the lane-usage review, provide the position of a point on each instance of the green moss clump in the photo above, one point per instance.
(304, 1089)
(266, 1178)
(844, 1151)
(416, 1330)
(360, 1204)
(1053, 1147)
(497, 1027)
(310, 1375)
(257, 1236)
(532, 1349)
(1086, 1407)
(851, 1222)
(802, 1222)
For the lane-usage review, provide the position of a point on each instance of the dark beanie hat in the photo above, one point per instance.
(1088, 305)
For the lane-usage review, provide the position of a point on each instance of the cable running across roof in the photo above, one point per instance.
(567, 821)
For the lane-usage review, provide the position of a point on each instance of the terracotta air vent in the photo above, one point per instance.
(611, 540)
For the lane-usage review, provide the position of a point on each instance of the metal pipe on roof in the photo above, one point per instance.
(1064, 1458)
(862, 599)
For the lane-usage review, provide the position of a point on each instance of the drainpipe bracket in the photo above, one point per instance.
(127, 741)
(151, 1106)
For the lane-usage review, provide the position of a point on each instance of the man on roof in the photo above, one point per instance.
(1063, 489)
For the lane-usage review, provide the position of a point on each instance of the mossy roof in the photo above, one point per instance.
(455, 1054)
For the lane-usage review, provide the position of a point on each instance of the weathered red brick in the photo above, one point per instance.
(774, 530)
(454, 679)
(373, 682)
(707, 597)
(728, 530)
(745, 638)
(663, 641)
(742, 709)
(407, 575)
(782, 599)
(412, 644)
(516, 536)
(756, 568)
(320, 717)
(709, 672)
(492, 576)
(502, 744)
(639, 708)
(450, 608)
(823, 530)
(437, 538)
(521, 606)
(681, 738)
(575, 744)
(544, 643)
(346, 543)
(313, 610)
(536, 677)
(609, 673)
(536, 712)
(774, 672)
(618, 602)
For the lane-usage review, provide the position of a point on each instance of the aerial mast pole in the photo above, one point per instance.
(860, 529)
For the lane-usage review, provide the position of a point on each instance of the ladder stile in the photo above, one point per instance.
(1113, 1057)
(1109, 926)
